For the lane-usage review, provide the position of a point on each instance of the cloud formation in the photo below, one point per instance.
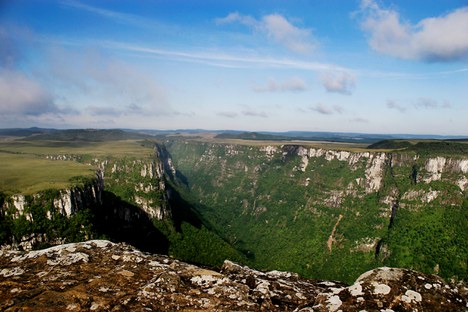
(433, 39)
(359, 120)
(294, 84)
(253, 113)
(111, 87)
(422, 103)
(277, 28)
(327, 110)
(428, 103)
(123, 18)
(338, 82)
(391, 104)
(19, 95)
(227, 114)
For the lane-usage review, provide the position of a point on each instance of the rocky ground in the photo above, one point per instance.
(103, 276)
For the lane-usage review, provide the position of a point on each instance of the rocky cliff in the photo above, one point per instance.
(29, 221)
(139, 181)
(102, 276)
(330, 213)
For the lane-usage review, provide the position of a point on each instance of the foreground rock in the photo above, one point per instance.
(103, 276)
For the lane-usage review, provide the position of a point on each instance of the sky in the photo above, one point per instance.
(369, 66)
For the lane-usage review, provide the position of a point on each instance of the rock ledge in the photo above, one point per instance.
(102, 276)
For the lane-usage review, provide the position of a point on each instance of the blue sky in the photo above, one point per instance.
(352, 66)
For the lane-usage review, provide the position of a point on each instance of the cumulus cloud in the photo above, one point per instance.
(327, 110)
(394, 105)
(73, 87)
(20, 95)
(338, 82)
(441, 39)
(235, 17)
(277, 28)
(294, 84)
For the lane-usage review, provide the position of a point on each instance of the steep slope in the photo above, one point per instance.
(280, 205)
(129, 200)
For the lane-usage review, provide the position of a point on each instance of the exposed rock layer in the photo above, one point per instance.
(103, 276)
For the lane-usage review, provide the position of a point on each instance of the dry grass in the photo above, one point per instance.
(25, 169)
(342, 146)
(27, 174)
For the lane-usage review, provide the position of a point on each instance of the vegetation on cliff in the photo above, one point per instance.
(135, 206)
(322, 212)
(279, 206)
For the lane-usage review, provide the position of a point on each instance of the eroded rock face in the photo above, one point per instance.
(392, 289)
(102, 276)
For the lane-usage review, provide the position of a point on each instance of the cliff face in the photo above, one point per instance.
(127, 192)
(138, 181)
(120, 202)
(42, 218)
(102, 276)
(281, 206)
(66, 202)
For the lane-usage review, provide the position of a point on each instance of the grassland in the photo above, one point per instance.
(25, 169)
(28, 174)
(210, 138)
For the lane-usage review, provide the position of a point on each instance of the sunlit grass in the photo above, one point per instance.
(24, 168)
(116, 148)
(28, 174)
(342, 146)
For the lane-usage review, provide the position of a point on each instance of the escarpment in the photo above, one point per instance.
(52, 216)
(322, 213)
(279, 204)
(119, 202)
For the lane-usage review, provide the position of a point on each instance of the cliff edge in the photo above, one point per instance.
(102, 276)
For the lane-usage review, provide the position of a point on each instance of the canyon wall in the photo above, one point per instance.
(280, 205)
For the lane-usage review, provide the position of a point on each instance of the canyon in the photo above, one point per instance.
(322, 212)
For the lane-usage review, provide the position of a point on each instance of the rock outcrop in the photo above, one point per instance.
(102, 276)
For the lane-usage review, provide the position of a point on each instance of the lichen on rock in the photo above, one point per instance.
(104, 276)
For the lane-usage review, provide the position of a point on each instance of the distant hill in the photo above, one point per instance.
(123, 134)
(425, 146)
(391, 144)
(24, 132)
(87, 135)
(252, 136)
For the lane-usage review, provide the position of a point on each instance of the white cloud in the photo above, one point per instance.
(294, 38)
(338, 82)
(441, 39)
(236, 17)
(109, 86)
(294, 84)
(277, 28)
(20, 95)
